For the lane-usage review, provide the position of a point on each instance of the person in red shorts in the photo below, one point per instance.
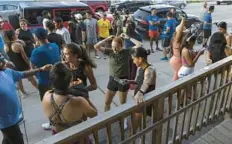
(154, 22)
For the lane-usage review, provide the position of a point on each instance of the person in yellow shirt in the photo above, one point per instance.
(104, 27)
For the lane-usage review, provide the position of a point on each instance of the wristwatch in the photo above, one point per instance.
(141, 92)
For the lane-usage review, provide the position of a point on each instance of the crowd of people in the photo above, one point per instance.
(57, 62)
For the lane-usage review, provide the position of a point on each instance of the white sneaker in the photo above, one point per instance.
(47, 126)
(97, 57)
(125, 124)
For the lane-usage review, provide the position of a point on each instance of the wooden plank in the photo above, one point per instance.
(200, 141)
(210, 139)
(220, 136)
(225, 131)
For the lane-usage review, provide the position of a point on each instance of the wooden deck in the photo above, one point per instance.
(221, 134)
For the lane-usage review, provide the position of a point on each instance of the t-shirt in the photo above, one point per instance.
(91, 28)
(2, 44)
(56, 38)
(10, 111)
(129, 44)
(118, 62)
(154, 19)
(171, 23)
(103, 28)
(80, 27)
(65, 35)
(45, 20)
(208, 19)
(45, 54)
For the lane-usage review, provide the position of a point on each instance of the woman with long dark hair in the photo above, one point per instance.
(80, 64)
(217, 49)
(63, 109)
(188, 56)
(25, 35)
(17, 55)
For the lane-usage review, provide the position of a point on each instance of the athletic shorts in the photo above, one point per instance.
(91, 41)
(166, 42)
(153, 34)
(206, 33)
(115, 86)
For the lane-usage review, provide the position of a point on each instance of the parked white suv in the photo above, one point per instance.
(7, 9)
(224, 1)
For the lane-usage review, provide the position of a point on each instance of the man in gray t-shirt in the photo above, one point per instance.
(91, 33)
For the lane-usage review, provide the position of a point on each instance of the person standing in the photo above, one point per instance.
(11, 110)
(52, 36)
(168, 31)
(116, 25)
(46, 17)
(81, 29)
(60, 29)
(154, 22)
(24, 34)
(91, 33)
(222, 27)
(104, 27)
(207, 25)
(15, 51)
(118, 63)
(47, 53)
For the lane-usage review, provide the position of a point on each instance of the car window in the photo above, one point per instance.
(162, 14)
(64, 14)
(10, 7)
(34, 16)
(180, 14)
(141, 14)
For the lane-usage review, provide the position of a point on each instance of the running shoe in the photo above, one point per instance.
(47, 126)
(158, 49)
(97, 57)
(164, 59)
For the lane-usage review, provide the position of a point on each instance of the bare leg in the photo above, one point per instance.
(20, 85)
(33, 82)
(88, 49)
(123, 97)
(157, 42)
(165, 52)
(136, 121)
(109, 98)
(151, 44)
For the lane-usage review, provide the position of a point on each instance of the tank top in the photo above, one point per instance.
(139, 81)
(17, 59)
(27, 37)
(79, 73)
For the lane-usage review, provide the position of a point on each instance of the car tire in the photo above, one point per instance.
(182, 6)
(218, 3)
(200, 39)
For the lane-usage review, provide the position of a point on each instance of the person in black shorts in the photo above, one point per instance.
(118, 62)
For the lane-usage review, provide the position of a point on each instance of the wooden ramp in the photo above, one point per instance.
(221, 134)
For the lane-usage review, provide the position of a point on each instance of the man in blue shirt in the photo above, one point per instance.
(207, 25)
(47, 53)
(154, 22)
(168, 31)
(11, 111)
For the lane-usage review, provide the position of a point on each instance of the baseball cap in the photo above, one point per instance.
(78, 16)
(41, 34)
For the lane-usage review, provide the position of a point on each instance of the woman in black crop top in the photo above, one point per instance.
(25, 35)
(80, 64)
(17, 56)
